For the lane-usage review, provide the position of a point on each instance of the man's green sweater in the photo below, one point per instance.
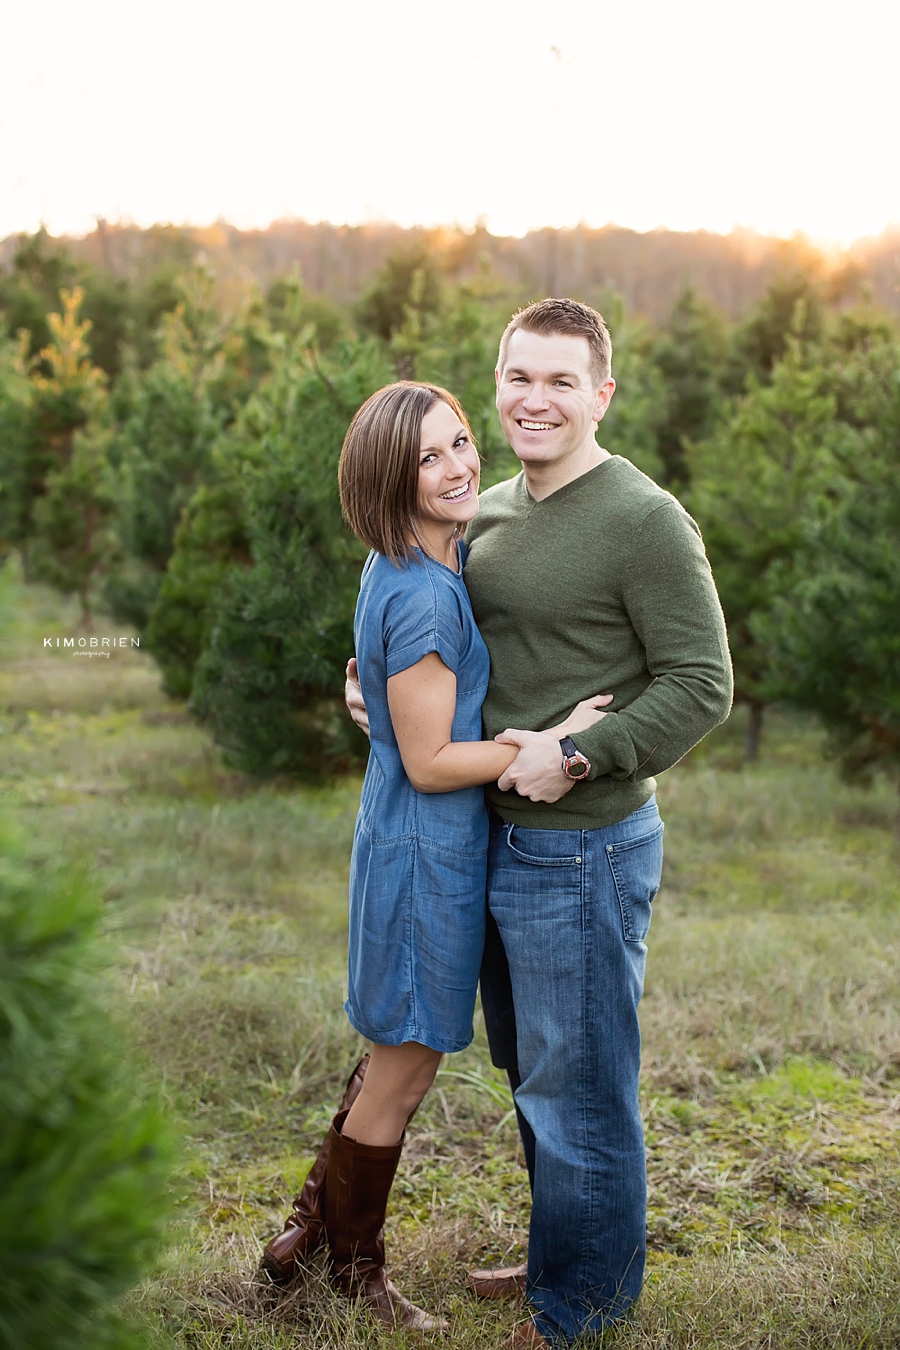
(601, 588)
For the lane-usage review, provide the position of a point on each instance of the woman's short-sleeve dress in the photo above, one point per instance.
(418, 869)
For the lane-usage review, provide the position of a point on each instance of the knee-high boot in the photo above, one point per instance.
(357, 1186)
(304, 1229)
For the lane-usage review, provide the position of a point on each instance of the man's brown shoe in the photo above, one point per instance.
(527, 1335)
(508, 1282)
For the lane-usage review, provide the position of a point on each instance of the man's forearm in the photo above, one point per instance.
(671, 600)
(659, 727)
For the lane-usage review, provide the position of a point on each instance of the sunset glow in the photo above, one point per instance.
(780, 117)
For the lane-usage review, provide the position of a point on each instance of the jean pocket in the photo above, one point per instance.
(636, 866)
(545, 848)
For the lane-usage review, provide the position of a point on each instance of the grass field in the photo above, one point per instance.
(771, 1089)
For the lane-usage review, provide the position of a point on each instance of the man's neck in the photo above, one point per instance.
(542, 480)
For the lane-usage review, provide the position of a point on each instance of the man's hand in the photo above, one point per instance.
(537, 770)
(353, 697)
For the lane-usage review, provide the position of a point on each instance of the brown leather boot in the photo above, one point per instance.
(304, 1227)
(527, 1335)
(357, 1186)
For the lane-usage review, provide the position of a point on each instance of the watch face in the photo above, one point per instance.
(575, 764)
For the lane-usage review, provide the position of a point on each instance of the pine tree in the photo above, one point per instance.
(270, 680)
(403, 305)
(790, 312)
(756, 485)
(17, 443)
(835, 630)
(689, 352)
(67, 538)
(74, 540)
(84, 1154)
(211, 539)
(170, 417)
(31, 288)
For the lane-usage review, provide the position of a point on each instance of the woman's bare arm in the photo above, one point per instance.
(583, 715)
(422, 702)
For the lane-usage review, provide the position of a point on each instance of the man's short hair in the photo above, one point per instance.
(571, 317)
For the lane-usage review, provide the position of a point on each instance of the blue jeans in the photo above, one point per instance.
(572, 909)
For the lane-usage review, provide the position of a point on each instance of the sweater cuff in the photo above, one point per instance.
(609, 748)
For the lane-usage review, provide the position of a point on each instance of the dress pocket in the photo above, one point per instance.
(636, 866)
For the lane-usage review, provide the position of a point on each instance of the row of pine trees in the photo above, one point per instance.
(174, 466)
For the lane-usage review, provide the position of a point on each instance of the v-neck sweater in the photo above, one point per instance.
(603, 587)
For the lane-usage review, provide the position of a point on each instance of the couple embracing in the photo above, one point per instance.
(484, 631)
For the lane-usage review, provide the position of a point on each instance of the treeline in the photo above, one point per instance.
(171, 460)
(648, 271)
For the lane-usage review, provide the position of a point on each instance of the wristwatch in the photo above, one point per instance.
(575, 764)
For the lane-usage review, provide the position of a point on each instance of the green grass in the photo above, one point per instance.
(772, 1032)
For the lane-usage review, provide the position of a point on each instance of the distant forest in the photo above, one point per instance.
(647, 271)
(173, 404)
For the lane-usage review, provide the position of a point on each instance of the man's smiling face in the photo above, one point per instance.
(548, 403)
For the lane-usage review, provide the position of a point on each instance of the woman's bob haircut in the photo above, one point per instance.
(378, 474)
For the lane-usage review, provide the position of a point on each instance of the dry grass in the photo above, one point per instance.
(772, 1032)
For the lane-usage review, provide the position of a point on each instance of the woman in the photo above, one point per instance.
(408, 476)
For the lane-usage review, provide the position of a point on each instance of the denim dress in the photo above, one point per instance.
(418, 868)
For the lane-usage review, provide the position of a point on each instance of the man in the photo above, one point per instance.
(584, 575)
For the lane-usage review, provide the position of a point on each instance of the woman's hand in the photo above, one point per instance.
(353, 697)
(582, 716)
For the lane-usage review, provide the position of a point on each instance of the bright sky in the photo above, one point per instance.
(780, 115)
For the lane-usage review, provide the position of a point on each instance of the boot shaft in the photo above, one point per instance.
(357, 1185)
(304, 1228)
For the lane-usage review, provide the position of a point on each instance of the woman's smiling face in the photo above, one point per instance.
(449, 470)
